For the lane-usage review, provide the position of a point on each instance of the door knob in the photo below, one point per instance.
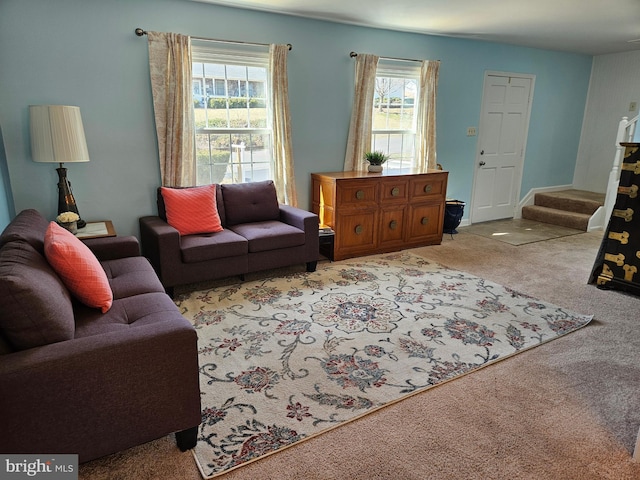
(482, 164)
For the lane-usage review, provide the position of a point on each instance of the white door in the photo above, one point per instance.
(504, 123)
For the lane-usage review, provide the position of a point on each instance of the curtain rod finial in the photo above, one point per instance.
(353, 54)
(140, 32)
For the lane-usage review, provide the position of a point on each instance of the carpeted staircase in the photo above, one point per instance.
(567, 208)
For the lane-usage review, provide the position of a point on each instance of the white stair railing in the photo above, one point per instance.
(626, 132)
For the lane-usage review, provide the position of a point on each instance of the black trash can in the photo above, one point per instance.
(453, 211)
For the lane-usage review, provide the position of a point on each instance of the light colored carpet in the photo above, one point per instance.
(568, 409)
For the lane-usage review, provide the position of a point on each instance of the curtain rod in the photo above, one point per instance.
(140, 32)
(354, 54)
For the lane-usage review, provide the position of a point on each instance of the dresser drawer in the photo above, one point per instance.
(356, 194)
(394, 190)
(425, 186)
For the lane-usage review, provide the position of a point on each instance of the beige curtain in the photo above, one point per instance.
(359, 140)
(284, 180)
(426, 120)
(170, 68)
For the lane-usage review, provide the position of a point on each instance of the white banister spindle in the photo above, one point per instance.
(626, 132)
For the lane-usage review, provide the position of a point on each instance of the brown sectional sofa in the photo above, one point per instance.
(75, 380)
(259, 234)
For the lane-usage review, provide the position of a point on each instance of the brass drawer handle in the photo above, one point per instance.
(395, 191)
(360, 194)
(393, 225)
(359, 229)
(428, 188)
(424, 220)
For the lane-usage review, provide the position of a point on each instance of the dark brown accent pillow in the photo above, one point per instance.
(250, 202)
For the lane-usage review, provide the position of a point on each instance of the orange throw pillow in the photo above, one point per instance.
(78, 268)
(192, 210)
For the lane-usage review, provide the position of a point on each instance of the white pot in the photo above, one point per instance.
(375, 168)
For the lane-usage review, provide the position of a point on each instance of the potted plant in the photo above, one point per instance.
(68, 221)
(376, 160)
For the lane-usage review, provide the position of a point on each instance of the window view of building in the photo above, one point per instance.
(394, 108)
(233, 132)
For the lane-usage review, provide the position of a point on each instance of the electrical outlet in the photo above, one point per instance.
(471, 131)
(633, 106)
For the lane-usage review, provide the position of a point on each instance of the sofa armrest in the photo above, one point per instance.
(308, 222)
(161, 245)
(299, 218)
(131, 385)
(110, 248)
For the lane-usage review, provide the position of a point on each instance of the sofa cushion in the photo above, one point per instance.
(28, 226)
(131, 276)
(200, 248)
(250, 202)
(192, 210)
(35, 306)
(78, 267)
(126, 313)
(270, 235)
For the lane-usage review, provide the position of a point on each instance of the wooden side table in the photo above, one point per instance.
(327, 236)
(96, 230)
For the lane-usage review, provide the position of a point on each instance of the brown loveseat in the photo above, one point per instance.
(259, 234)
(75, 380)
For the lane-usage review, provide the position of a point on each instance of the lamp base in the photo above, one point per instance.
(66, 200)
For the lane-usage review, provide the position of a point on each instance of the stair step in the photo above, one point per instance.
(578, 201)
(564, 218)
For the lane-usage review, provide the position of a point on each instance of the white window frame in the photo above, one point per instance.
(234, 161)
(403, 155)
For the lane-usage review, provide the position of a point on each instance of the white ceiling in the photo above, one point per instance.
(592, 27)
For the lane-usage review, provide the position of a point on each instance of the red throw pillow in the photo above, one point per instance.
(192, 210)
(78, 268)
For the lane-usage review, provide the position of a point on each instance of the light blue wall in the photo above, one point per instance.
(84, 53)
(7, 210)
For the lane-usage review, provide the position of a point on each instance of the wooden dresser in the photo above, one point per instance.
(380, 212)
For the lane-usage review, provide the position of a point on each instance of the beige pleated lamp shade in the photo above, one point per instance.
(57, 134)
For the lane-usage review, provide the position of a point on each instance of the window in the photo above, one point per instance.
(233, 132)
(394, 111)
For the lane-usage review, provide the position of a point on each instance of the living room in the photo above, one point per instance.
(73, 52)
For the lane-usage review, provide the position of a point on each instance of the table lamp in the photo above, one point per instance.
(57, 136)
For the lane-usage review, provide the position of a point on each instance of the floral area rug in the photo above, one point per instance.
(283, 359)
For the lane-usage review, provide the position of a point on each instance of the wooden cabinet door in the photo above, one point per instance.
(424, 222)
(355, 233)
(391, 227)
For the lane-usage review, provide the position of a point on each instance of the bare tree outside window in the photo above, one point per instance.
(394, 124)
